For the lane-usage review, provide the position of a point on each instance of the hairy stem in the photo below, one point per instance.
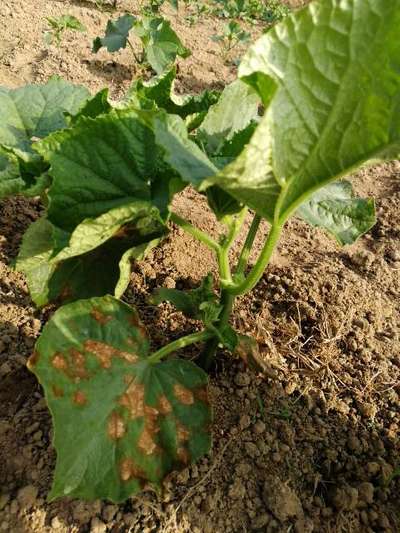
(258, 269)
(245, 253)
(195, 232)
(199, 336)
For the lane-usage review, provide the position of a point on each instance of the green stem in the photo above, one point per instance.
(199, 336)
(195, 232)
(245, 253)
(225, 246)
(137, 59)
(257, 271)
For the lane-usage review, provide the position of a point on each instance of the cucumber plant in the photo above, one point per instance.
(125, 415)
(160, 44)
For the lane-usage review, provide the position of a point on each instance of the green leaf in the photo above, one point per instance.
(180, 152)
(101, 164)
(160, 90)
(160, 43)
(336, 107)
(34, 259)
(92, 261)
(335, 209)
(98, 105)
(200, 303)
(30, 113)
(116, 36)
(224, 119)
(66, 22)
(10, 179)
(34, 111)
(120, 419)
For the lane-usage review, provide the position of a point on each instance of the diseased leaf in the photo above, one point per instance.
(336, 107)
(336, 209)
(120, 420)
(116, 36)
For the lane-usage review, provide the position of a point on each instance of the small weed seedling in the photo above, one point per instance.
(160, 44)
(58, 25)
(125, 414)
(232, 35)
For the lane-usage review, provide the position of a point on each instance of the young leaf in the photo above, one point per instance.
(160, 43)
(329, 115)
(116, 36)
(335, 208)
(120, 419)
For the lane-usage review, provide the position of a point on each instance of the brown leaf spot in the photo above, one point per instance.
(32, 361)
(104, 353)
(77, 367)
(183, 455)
(182, 434)
(183, 395)
(79, 397)
(129, 470)
(59, 362)
(146, 442)
(116, 426)
(133, 399)
(164, 405)
(100, 317)
(202, 395)
(57, 391)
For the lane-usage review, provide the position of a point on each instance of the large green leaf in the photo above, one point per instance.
(336, 209)
(92, 261)
(161, 44)
(35, 111)
(337, 66)
(27, 114)
(120, 419)
(100, 164)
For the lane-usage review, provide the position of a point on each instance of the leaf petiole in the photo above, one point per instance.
(258, 269)
(179, 344)
(195, 232)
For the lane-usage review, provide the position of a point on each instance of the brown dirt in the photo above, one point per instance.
(312, 445)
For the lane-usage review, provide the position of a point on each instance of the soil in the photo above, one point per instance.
(312, 443)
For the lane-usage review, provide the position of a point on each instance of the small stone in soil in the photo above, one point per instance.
(27, 496)
(97, 526)
(242, 379)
